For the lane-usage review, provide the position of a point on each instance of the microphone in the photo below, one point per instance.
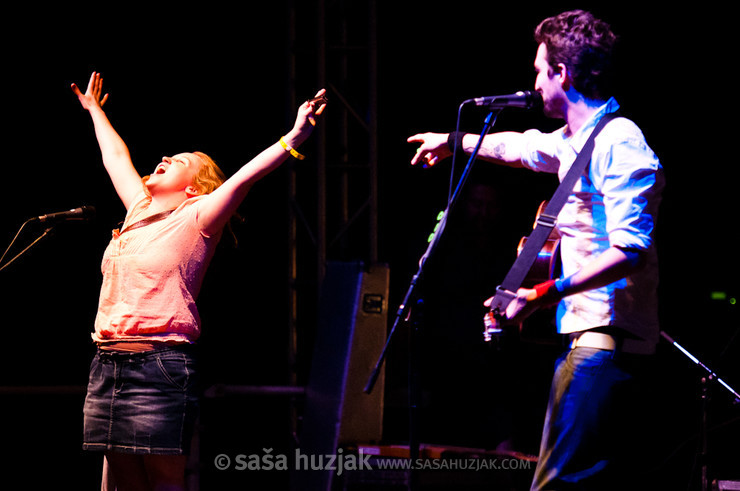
(82, 213)
(525, 99)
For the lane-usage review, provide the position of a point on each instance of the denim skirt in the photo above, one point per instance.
(141, 403)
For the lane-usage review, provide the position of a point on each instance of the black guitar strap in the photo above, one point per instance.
(545, 223)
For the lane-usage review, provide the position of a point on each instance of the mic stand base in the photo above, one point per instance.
(703, 454)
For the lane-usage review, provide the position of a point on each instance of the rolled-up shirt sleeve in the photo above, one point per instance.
(631, 183)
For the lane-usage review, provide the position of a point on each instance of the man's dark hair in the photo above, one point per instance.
(585, 45)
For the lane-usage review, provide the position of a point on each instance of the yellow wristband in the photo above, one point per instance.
(292, 151)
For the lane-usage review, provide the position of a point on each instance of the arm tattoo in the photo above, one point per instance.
(499, 151)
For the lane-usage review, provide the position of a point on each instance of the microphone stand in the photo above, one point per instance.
(44, 234)
(405, 312)
(711, 376)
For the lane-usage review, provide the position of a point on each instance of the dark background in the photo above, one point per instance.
(215, 79)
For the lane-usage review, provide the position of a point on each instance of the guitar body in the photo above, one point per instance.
(547, 264)
(545, 267)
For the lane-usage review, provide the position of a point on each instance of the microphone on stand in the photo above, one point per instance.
(525, 99)
(81, 213)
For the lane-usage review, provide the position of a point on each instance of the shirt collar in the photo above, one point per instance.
(579, 138)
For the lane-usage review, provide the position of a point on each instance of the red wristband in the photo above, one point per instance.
(541, 289)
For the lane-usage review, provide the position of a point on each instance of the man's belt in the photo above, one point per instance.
(591, 339)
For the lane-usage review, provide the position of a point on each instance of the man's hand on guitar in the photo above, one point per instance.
(524, 304)
(518, 309)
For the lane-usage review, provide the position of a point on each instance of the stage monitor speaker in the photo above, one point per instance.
(352, 329)
(726, 486)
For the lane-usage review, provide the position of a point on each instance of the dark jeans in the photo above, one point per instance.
(590, 422)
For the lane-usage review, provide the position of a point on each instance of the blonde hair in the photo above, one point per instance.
(207, 179)
(209, 176)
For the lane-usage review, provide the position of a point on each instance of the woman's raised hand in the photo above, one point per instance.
(308, 112)
(93, 96)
